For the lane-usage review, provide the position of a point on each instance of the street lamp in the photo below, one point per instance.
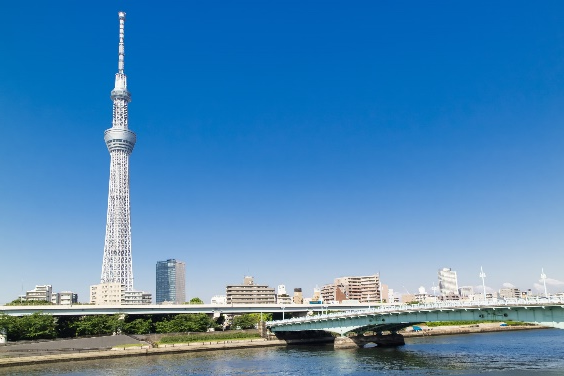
(282, 311)
(543, 277)
(483, 276)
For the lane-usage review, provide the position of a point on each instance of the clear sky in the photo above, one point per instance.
(294, 141)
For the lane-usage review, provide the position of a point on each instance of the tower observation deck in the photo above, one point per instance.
(117, 262)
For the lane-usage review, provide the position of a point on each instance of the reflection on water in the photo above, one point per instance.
(512, 353)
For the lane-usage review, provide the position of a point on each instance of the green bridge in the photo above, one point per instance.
(389, 319)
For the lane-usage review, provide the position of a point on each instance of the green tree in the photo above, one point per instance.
(34, 326)
(220, 321)
(97, 325)
(249, 320)
(66, 327)
(18, 301)
(243, 322)
(138, 326)
(7, 324)
(196, 301)
(198, 322)
(264, 316)
(38, 326)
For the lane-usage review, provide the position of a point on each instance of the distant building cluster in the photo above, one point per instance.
(362, 289)
(44, 293)
(170, 286)
(359, 289)
(449, 290)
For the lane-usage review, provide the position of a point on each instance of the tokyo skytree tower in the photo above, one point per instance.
(117, 263)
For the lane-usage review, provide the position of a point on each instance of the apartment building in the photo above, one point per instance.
(39, 293)
(250, 293)
(64, 298)
(114, 293)
(448, 282)
(365, 289)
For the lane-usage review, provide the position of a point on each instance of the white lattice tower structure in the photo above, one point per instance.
(117, 263)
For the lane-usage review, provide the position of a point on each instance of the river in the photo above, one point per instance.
(539, 352)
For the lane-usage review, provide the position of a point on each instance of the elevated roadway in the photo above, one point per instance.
(165, 309)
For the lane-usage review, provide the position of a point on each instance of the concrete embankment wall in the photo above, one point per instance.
(141, 351)
(156, 337)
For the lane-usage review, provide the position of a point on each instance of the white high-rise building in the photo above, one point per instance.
(448, 282)
(117, 263)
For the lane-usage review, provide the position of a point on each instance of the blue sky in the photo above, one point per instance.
(292, 141)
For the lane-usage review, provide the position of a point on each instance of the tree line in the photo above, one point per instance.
(45, 326)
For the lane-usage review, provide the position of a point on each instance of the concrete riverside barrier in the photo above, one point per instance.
(119, 352)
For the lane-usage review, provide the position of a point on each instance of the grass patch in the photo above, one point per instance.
(208, 337)
(129, 345)
(518, 323)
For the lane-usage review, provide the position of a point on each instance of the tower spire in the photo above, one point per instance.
(121, 57)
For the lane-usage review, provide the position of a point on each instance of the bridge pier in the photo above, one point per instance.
(344, 343)
(381, 340)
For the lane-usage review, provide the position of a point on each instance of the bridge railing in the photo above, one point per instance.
(421, 307)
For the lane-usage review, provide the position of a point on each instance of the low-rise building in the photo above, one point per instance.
(107, 293)
(132, 297)
(408, 298)
(219, 299)
(392, 297)
(114, 293)
(147, 298)
(39, 293)
(466, 291)
(64, 298)
(449, 297)
(509, 293)
(298, 296)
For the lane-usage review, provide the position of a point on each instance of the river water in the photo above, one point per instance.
(538, 352)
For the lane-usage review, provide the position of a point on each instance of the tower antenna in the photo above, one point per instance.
(121, 53)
